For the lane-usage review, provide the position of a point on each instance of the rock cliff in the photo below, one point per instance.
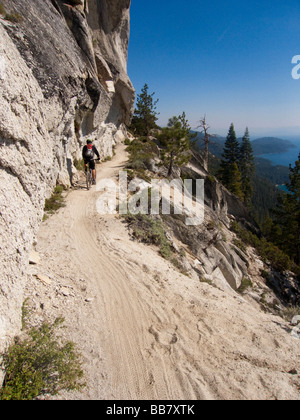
(63, 79)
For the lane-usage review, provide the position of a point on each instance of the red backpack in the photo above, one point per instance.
(89, 152)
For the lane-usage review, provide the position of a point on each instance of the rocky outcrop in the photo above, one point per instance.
(214, 252)
(63, 79)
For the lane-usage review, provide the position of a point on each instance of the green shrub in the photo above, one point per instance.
(2, 10)
(137, 164)
(149, 231)
(25, 314)
(107, 159)
(141, 173)
(268, 251)
(165, 250)
(41, 364)
(240, 245)
(211, 179)
(79, 164)
(246, 284)
(141, 153)
(205, 280)
(14, 17)
(56, 201)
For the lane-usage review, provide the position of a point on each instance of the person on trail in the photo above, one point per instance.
(88, 153)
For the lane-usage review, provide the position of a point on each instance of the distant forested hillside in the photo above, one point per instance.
(267, 145)
(265, 192)
(267, 177)
(276, 174)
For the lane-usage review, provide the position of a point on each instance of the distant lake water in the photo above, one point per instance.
(283, 188)
(286, 158)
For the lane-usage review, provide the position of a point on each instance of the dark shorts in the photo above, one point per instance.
(91, 164)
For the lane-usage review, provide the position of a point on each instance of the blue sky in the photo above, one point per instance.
(230, 60)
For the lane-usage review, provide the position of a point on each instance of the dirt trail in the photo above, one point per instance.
(145, 330)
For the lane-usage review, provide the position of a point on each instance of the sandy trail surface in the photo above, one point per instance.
(145, 330)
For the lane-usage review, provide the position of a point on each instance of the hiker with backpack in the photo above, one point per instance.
(88, 153)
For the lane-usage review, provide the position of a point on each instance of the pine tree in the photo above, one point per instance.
(175, 138)
(247, 168)
(271, 230)
(230, 174)
(231, 152)
(235, 181)
(145, 115)
(287, 215)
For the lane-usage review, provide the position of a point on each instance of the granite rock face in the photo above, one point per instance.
(63, 79)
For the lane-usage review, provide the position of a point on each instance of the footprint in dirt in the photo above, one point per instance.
(165, 334)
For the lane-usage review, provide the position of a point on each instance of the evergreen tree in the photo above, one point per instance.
(247, 168)
(145, 115)
(231, 152)
(175, 138)
(230, 174)
(235, 180)
(271, 230)
(287, 215)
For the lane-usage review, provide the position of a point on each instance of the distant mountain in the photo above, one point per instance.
(261, 146)
(270, 145)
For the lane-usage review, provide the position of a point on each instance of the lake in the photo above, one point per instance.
(286, 158)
